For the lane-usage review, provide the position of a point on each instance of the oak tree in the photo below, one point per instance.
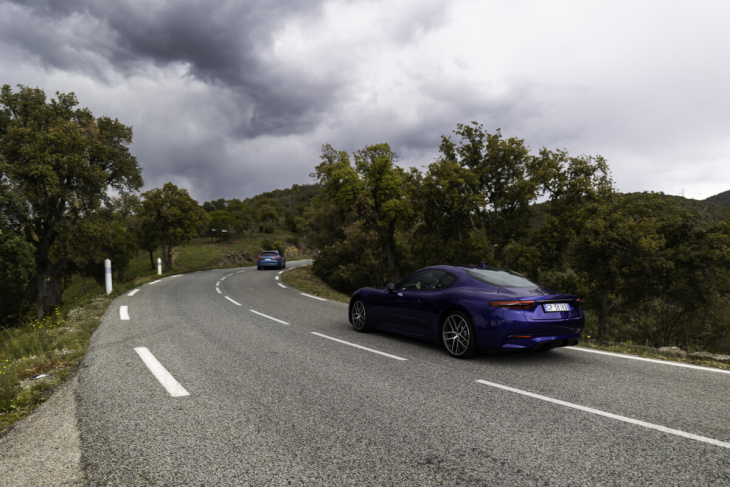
(60, 163)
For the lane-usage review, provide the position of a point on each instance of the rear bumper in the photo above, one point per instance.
(276, 264)
(510, 331)
(540, 343)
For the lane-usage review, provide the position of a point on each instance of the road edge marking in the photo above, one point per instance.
(652, 360)
(605, 414)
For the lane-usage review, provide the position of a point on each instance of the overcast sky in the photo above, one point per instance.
(230, 99)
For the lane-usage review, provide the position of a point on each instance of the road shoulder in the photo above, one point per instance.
(45, 447)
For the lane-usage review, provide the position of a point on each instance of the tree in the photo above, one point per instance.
(361, 210)
(61, 161)
(16, 276)
(574, 185)
(491, 183)
(641, 253)
(95, 238)
(172, 216)
(221, 220)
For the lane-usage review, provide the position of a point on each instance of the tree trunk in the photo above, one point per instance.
(169, 256)
(48, 281)
(603, 317)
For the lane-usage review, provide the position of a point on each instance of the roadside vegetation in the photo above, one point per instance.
(37, 354)
(653, 270)
(304, 279)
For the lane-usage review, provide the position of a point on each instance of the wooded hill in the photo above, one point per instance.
(722, 199)
(652, 269)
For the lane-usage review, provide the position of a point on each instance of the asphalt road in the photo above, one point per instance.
(260, 392)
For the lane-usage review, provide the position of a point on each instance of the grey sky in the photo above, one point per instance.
(233, 98)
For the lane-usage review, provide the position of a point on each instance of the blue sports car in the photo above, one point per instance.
(470, 310)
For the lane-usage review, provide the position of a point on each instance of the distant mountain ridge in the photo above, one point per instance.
(722, 199)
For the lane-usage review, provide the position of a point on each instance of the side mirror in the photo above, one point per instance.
(390, 287)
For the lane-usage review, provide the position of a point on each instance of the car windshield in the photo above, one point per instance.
(500, 277)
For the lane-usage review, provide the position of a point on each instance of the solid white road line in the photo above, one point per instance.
(133, 292)
(162, 375)
(281, 285)
(168, 277)
(313, 297)
(269, 317)
(637, 422)
(358, 346)
(232, 301)
(124, 312)
(656, 361)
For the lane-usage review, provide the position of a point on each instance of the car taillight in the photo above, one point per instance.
(512, 304)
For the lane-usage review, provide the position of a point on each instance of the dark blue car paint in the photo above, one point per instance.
(419, 313)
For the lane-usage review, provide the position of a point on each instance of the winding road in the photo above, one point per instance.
(230, 377)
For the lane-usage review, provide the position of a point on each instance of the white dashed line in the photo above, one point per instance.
(232, 301)
(124, 312)
(610, 415)
(218, 289)
(313, 297)
(269, 317)
(281, 285)
(359, 346)
(663, 362)
(162, 375)
(133, 292)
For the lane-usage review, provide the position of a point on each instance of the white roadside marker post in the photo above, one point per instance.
(108, 275)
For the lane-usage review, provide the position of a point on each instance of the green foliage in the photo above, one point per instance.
(171, 216)
(59, 162)
(362, 209)
(652, 269)
(722, 199)
(16, 277)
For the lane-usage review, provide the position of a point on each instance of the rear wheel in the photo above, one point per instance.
(359, 316)
(457, 334)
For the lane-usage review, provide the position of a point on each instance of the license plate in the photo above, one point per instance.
(553, 307)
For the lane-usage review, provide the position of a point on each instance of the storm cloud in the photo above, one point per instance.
(233, 98)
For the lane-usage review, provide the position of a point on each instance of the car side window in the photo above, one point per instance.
(445, 281)
(424, 280)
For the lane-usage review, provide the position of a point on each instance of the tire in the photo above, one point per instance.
(359, 316)
(457, 335)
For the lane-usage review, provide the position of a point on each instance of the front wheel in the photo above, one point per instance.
(359, 316)
(457, 334)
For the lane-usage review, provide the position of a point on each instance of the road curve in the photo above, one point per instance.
(254, 383)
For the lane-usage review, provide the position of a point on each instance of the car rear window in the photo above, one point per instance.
(500, 277)
(269, 253)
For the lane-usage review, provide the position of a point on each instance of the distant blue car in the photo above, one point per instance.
(271, 258)
(470, 310)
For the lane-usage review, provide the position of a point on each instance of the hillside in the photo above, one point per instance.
(722, 199)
